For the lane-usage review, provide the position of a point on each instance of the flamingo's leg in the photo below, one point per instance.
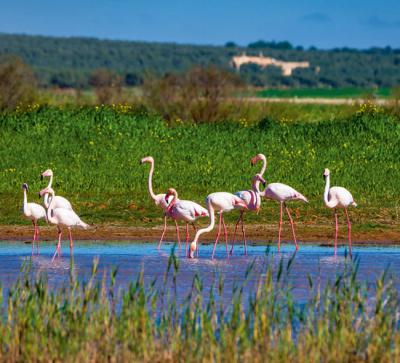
(234, 234)
(217, 238)
(226, 236)
(34, 236)
(177, 233)
(244, 236)
(187, 238)
(349, 229)
(336, 231)
(197, 245)
(280, 228)
(58, 248)
(292, 225)
(71, 243)
(37, 239)
(165, 228)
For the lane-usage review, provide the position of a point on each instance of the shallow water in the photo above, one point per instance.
(131, 258)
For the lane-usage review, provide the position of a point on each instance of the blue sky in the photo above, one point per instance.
(323, 23)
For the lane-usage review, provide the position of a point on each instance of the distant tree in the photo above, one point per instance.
(231, 44)
(107, 86)
(272, 45)
(17, 84)
(133, 79)
(197, 95)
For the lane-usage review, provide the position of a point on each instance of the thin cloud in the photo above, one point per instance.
(379, 23)
(316, 17)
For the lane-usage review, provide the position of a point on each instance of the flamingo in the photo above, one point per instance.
(159, 199)
(281, 193)
(253, 201)
(34, 212)
(185, 210)
(62, 217)
(59, 202)
(222, 202)
(338, 197)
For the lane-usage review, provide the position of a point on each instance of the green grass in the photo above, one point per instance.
(95, 152)
(345, 321)
(325, 93)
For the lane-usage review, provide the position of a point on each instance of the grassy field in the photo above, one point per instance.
(326, 93)
(345, 321)
(95, 152)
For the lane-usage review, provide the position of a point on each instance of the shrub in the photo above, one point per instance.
(17, 84)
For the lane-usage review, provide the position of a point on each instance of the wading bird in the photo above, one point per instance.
(338, 197)
(59, 202)
(159, 199)
(281, 193)
(252, 199)
(185, 210)
(221, 202)
(34, 212)
(62, 218)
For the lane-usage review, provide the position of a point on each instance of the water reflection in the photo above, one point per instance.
(316, 262)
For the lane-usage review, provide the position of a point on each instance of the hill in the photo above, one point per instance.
(68, 62)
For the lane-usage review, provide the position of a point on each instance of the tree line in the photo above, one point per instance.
(70, 62)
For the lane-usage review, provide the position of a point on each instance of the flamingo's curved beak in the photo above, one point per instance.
(39, 196)
(41, 176)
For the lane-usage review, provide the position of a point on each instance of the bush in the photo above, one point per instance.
(196, 95)
(107, 87)
(17, 84)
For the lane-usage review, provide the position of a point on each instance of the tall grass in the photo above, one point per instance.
(345, 321)
(95, 152)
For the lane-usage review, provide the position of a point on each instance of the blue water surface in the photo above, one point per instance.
(131, 258)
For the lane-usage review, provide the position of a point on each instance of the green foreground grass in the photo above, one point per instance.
(95, 152)
(91, 321)
(326, 93)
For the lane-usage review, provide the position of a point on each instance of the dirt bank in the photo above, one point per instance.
(256, 233)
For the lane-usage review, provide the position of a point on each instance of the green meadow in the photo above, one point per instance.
(326, 93)
(95, 152)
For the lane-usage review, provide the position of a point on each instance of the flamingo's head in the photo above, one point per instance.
(46, 191)
(48, 173)
(192, 250)
(258, 177)
(256, 158)
(147, 159)
(326, 173)
(170, 191)
(25, 186)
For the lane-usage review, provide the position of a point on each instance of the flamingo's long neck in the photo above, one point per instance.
(46, 201)
(264, 167)
(256, 189)
(50, 181)
(173, 201)
(151, 182)
(209, 228)
(25, 199)
(328, 203)
(49, 210)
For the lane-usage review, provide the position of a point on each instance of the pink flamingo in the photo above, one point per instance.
(185, 210)
(59, 202)
(281, 193)
(62, 217)
(34, 212)
(252, 199)
(222, 202)
(338, 197)
(159, 199)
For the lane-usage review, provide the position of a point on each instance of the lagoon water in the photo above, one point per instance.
(130, 258)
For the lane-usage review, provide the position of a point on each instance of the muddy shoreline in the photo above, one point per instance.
(258, 234)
